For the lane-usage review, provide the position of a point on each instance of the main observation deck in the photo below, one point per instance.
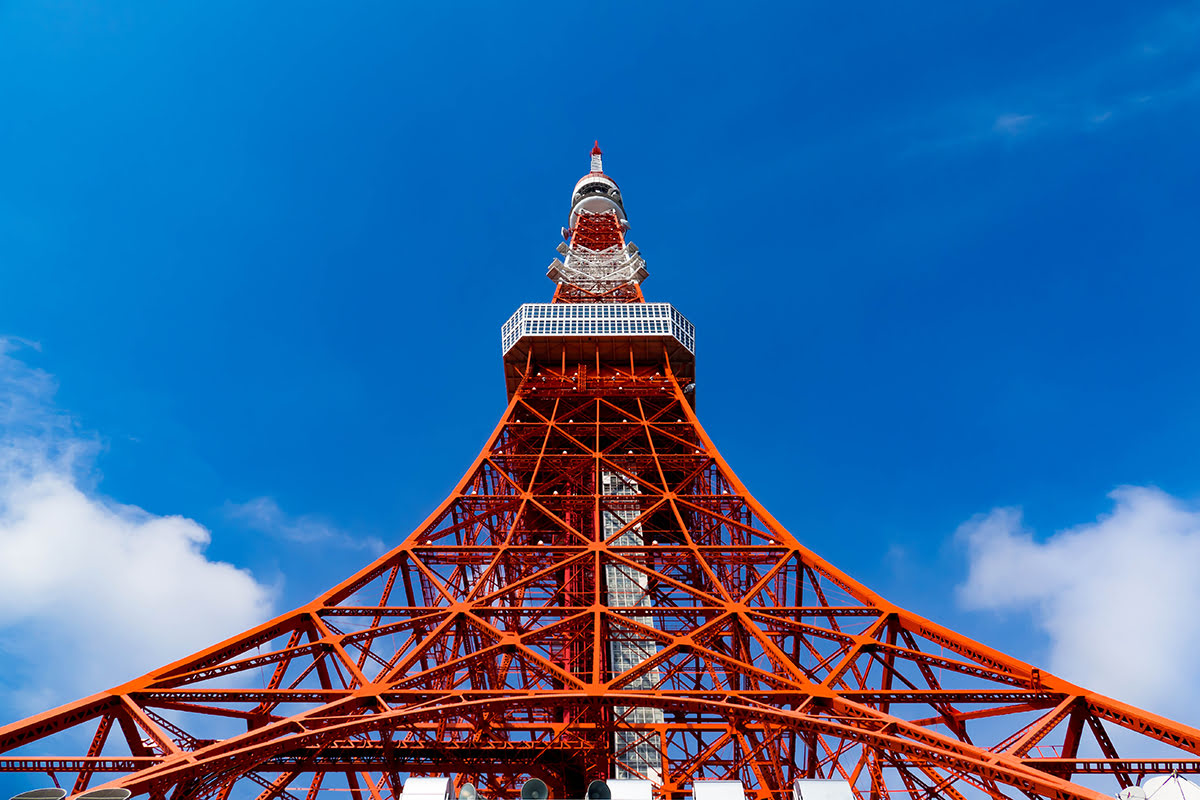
(614, 332)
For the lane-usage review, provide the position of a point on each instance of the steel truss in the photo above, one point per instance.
(481, 646)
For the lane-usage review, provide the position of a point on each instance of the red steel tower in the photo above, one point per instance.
(600, 598)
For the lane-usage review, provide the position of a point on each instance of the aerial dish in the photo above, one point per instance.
(41, 794)
(535, 789)
(1132, 793)
(598, 790)
(105, 794)
(468, 792)
(1170, 787)
(429, 788)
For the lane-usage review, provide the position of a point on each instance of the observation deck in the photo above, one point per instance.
(645, 333)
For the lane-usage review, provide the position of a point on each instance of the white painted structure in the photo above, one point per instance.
(427, 789)
(638, 754)
(718, 790)
(598, 320)
(818, 789)
(630, 790)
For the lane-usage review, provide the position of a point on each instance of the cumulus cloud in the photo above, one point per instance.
(263, 514)
(1116, 597)
(93, 592)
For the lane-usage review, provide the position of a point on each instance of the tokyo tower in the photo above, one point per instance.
(600, 599)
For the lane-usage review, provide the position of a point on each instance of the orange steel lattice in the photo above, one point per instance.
(622, 293)
(600, 596)
(597, 231)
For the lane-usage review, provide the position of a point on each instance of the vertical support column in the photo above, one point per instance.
(638, 753)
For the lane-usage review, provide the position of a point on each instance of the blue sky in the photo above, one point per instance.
(942, 261)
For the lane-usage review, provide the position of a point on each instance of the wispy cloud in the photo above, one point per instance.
(1013, 124)
(1154, 70)
(1116, 597)
(263, 514)
(93, 592)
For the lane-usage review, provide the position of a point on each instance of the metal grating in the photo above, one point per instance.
(598, 319)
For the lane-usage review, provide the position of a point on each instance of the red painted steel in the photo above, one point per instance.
(597, 232)
(479, 647)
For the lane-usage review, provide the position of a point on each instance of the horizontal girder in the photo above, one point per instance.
(600, 586)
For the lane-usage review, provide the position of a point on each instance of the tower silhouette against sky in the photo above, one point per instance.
(600, 598)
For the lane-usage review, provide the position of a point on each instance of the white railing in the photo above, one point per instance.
(598, 319)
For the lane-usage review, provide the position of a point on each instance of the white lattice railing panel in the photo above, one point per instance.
(598, 319)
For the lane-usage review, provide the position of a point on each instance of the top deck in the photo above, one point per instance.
(643, 332)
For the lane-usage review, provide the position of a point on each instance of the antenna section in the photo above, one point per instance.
(597, 258)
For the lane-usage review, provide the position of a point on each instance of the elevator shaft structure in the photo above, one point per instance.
(599, 597)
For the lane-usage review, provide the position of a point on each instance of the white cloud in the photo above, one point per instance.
(1116, 597)
(264, 515)
(1012, 124)
(93, 592)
